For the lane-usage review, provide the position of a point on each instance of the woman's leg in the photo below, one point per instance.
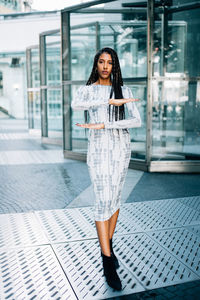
(103, 235)
(109, 267)
(105, 231)
(112, 224)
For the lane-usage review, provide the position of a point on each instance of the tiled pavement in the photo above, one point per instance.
(49, 247)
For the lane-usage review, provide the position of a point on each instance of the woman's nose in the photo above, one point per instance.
(105, 66)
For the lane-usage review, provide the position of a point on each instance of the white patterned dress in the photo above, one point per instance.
(109, 149)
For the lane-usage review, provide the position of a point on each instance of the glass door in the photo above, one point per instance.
(176, 68)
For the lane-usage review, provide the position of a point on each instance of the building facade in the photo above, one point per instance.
(12, 6)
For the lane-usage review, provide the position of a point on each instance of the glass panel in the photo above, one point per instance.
(34, 96)
(129, 40)
(53, 78)
(53, 61)
(169, 54)
(54, 110)
(83, 48)
(176, 133)
(191, 39)
(138, 135)
(176, 109)
(35, 68)
(34, 104)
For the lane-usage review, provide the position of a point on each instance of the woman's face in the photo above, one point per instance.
(104, 65)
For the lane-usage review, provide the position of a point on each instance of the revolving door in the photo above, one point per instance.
(156, 63)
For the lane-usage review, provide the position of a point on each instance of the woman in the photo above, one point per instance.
(109, 150)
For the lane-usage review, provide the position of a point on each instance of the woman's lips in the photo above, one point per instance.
(105, 72)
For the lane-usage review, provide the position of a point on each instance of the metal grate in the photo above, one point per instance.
(20, 229)
(183, 244)
(192, 202)
(147, 217)
(65, 225)
(175, 210)
(153, 247)
(83, 265)
(150, 263)
(32, 273)
(195, 229)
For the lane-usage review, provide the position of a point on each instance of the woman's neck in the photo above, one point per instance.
(103, 81)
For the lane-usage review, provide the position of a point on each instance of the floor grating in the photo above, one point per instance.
(55, 254)
(20, 229)
(183, 244)
(33, 273)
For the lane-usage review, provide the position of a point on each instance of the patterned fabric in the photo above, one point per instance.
(109, 149)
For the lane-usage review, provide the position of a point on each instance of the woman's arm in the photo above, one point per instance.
(134, 119)
(81, 102)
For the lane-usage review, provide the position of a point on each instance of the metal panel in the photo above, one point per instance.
(150, 263)
(65, 225)
(82, 263)
(146, 217)
(193, 202)
(183, 244)
(156, 257)
(32, 273)
(192, 166)
(20, 229)
(175, 210)
(195, 229)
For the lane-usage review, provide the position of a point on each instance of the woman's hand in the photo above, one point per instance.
(92, 126)
(119, 102)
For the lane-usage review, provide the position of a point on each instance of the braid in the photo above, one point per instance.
(117, 81)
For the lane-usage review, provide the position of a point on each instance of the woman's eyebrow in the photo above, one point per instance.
(104, 59)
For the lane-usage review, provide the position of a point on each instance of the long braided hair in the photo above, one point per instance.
(116, 79)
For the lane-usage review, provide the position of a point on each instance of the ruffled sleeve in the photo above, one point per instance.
(83, 100)
(134, 119)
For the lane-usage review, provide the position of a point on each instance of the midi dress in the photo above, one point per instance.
(109, 149)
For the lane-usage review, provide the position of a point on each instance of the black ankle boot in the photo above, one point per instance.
(112, 277)
(113, 255)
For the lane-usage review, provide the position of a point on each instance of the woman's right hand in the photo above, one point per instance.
(119, 102)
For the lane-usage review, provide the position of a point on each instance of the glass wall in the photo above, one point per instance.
(158, 48)
(176, 122)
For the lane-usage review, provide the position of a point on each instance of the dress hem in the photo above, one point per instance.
(108, 217)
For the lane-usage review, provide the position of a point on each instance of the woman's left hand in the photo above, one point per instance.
(92, 126)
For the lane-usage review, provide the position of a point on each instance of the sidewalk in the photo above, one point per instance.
(48, 241)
